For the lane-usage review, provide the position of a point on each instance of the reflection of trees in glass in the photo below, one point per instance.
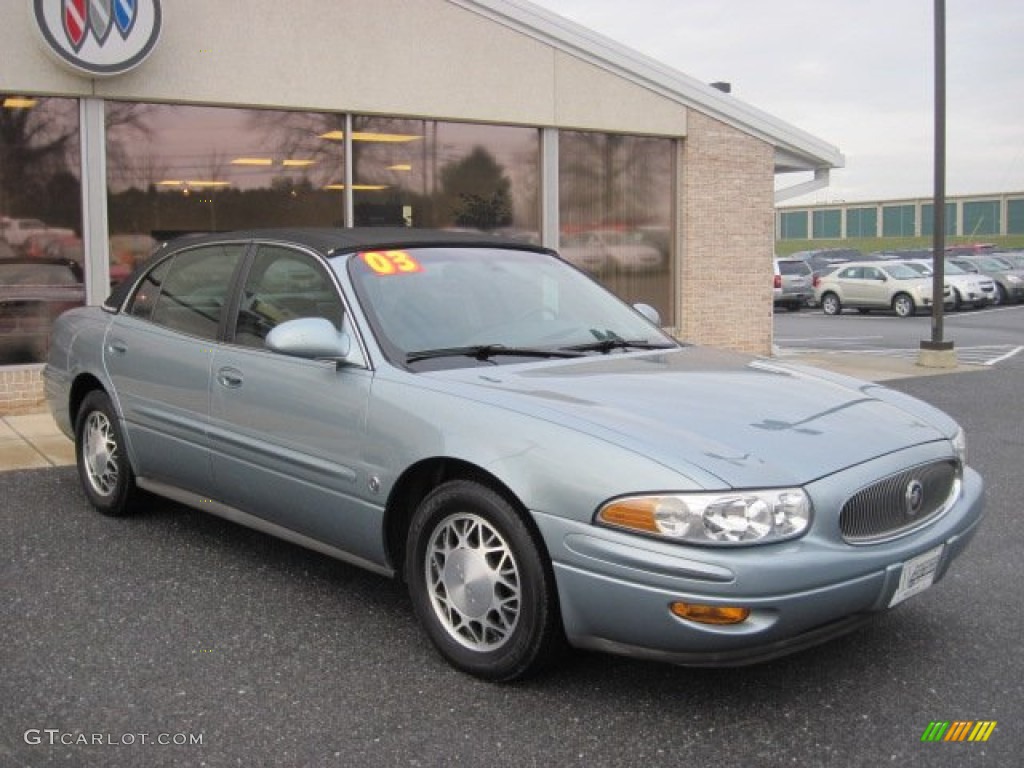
(299, 137)
(622, 184)
(38, 144)
(160, 169)
(612, 179)
(475, 192)
(127, 126)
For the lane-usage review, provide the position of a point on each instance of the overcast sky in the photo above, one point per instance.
(858, 74)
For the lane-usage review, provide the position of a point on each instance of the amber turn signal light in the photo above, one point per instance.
(710, 614)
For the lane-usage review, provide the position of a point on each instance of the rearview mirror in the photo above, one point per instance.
(311, 338)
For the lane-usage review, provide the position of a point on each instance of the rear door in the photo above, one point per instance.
(158, 354)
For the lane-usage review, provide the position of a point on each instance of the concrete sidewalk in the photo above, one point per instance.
(32, 440)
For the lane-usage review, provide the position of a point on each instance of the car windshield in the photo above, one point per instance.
(901, 272)
(461, 306)
(992, 264)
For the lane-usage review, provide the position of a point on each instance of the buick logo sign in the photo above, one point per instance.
(99, 38)
(914, 498)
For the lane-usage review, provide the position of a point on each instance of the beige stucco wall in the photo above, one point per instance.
(417, 58)
(728, 235)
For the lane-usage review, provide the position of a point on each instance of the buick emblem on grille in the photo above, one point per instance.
(914, 497)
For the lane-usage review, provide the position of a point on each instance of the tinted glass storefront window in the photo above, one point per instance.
(40, 222)
(174, 169)
(615, 207)
(426, 173)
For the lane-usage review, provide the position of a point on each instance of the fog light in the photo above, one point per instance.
(710, 614)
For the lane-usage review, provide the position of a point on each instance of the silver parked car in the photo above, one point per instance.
(868, 285)
(1008, 279)
(965, 288)
(538, 461)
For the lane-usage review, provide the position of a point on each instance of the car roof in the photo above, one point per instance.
(329, 242)
(334, 240)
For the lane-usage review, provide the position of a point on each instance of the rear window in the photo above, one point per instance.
(794, 268)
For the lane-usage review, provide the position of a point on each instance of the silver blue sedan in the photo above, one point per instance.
(538, 461)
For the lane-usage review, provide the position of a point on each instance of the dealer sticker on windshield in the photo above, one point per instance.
(917, 575)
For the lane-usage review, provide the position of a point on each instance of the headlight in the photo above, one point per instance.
(959, 441)
(1013, 278)
(737, 517)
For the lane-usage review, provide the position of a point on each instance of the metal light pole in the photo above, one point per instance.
(938, 353)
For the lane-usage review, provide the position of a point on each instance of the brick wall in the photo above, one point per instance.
(725, 273)
(21, 389)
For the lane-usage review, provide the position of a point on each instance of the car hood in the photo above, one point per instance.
(744, 421)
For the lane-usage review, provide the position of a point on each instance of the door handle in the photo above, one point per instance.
(231, 378)
(117, 347)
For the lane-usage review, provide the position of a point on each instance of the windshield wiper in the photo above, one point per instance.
(604, 346)
(486, 352)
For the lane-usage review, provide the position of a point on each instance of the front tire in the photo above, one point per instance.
(103, 467)
(480, 584)
(830, 304)
(903, 305)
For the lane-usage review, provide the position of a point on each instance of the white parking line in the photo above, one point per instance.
(1007, 356)
(978, 355)
(832, 338)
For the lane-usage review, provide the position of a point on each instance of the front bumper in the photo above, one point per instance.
(615, 589)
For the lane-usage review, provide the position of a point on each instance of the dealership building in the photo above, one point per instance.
(127, 122)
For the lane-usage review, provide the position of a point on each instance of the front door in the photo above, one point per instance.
(287, 433)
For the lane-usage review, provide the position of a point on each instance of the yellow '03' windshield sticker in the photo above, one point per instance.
(390, 262)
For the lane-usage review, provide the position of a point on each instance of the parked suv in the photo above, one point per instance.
(867, 285)
(793, 283)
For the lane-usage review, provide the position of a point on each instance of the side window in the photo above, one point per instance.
(284, 284)
(144, 300)
(188, 292)
(851, 273)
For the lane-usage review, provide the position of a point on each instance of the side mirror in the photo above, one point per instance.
(309, 337)
(649, 312)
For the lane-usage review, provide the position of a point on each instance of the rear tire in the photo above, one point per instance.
(103, 467)
(481, 585)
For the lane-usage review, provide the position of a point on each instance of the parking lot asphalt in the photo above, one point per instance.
(176, 625)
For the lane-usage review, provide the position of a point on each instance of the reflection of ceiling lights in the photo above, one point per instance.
(19, 102)
(266, 162)
(387, 138)
(400, 167)
(194, 183)
(252, 161)
(358, 187)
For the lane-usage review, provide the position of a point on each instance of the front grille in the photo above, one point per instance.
(890, 506)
